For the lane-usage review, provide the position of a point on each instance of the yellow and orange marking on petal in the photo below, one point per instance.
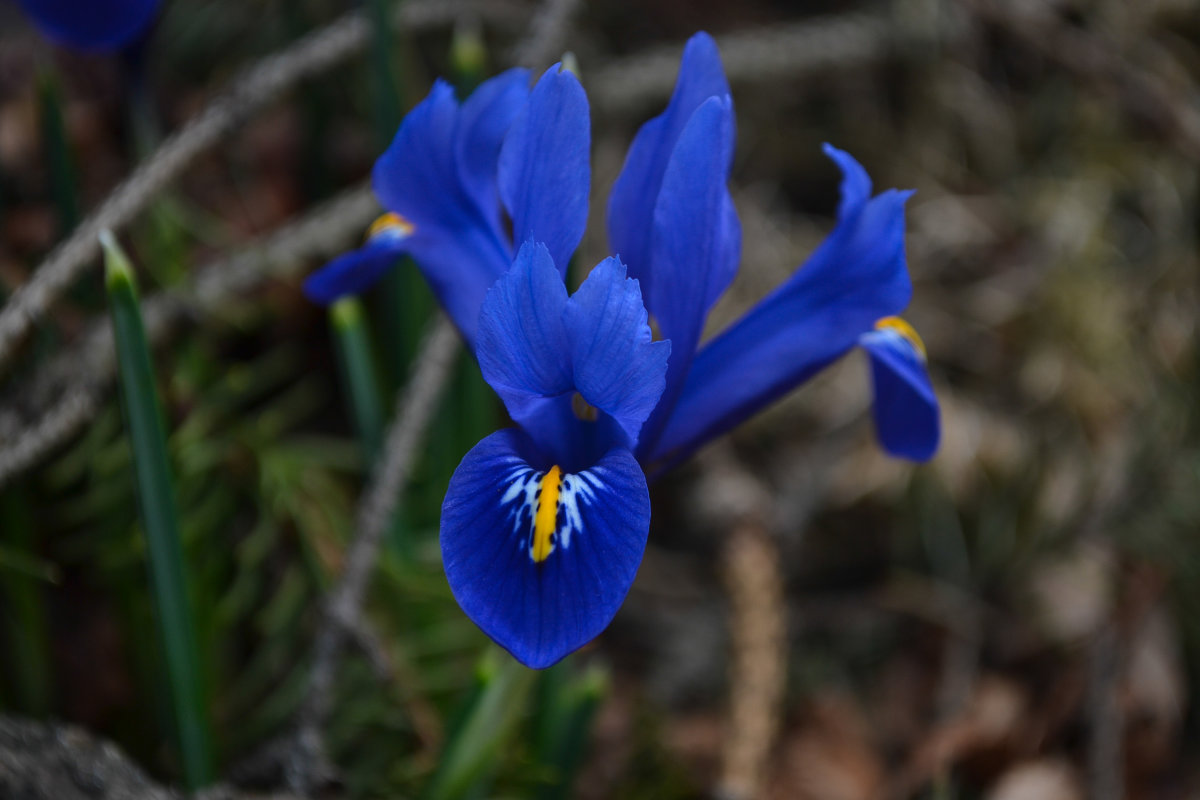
(390, 223)
(904, 330)
(546, 508)
(545, 520)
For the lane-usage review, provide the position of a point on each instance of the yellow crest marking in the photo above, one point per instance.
(545, 520)
(390, 221)
(905, 330)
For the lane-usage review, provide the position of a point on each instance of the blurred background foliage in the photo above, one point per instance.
(1016, 619)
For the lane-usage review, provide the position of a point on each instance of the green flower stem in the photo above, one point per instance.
(403, 302)
(468, 56)
(358, 371)
(387, 100)
(566, 707)
(27, 639)
(160, 518)
(356, 356)
(477, 409)
(486, 723)
(60, 164)
(401, 305)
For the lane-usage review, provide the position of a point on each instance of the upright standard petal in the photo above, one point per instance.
(541, 559)
(484, 120)
(857, 276)
(697, 237)
(94, 24)
(616, 367)
(457, 242)
(545, 171)
(907, 418)
(696, 244)
(522, 336)
(580, 375)
(632, 201)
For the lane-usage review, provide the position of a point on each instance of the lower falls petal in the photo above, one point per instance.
(857, 275)
(541, 559)
(354, 272)
(905, 408)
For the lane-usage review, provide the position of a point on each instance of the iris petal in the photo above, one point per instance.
(617, 368)
(855, 277)
(697, 237)
(542, 590)
(522, 336)
(696, 244)
(484, 120)
(631, 204)
(417, 176)
(457, 244)
(354, 272)
(92, 25)
(545, 172)
(907, 419)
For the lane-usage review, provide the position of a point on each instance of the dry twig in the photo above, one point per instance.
(414, 412)
(733, 500)
(769, 53)
(759, 665)
(264, 82)
(549, 32)
(72, 385)
(1106, 774)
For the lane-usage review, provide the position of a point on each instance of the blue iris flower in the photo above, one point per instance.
(102, 25)
(544, 525)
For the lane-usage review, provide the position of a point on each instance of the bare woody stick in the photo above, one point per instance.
(414, 412)
(809, 47)
(744, 511)
(757, 671)
(71, 387)
(263, 82)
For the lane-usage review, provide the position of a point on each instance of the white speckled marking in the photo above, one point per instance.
(524, 487)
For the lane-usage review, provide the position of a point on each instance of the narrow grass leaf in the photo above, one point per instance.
(22, 582)
(481, 730)
(353, 344)
(59, 162)
(357, 358)
(567, 705)
(160, 519)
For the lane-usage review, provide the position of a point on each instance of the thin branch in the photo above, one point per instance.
(758, 667)
(72, 385)
(1105, 717)
(1141, 93)
(548, 32)
(769, 53)
(738, 504)
(262, 83)
(56, 426)
(414, 412)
